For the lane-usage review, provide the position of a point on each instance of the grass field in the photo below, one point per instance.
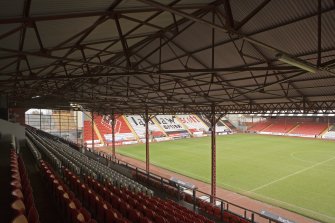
(295, 173)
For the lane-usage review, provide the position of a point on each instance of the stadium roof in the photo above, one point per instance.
(169, 56)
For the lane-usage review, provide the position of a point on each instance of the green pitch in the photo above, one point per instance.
(294, 173)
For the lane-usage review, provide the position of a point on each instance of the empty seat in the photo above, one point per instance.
(33, 216)
(18, 207)
(20, 219)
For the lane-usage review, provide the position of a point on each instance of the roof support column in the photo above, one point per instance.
(92, 123)
(77, 137)
(113, 135)
(40, 119)
(213, 150)
(147, 152)
(59, 123)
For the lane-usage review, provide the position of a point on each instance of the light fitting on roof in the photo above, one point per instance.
(286, 59)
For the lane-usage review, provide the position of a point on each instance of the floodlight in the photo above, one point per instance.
(286, 59)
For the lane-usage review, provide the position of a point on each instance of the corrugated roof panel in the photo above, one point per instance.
(278, 12)
(328, 30)
(116, 47)
(327, 3)
(42, 7)
(13, 8)
(5, 62)
(227, 56)
(127, 25)
(37, 61)
(142, 16)
(55, 32)
(253, 53)
(31, 42)
(164, 19)
(195, 37)
(175, 64)
(10, 42)
(186, 2)
(319, 91)
(328, 56)
(129, 4)
(131, 42)
(104, 31)
(145, 30)
(240, 8)
(298, 38)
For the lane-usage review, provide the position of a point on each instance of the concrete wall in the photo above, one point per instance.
(9, 128)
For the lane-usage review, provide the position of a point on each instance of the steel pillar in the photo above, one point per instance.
(60, 123)
(113, 135)
(92, 119)
(77, 126)
(147, 152)
(40, 119)
(213, 146)
(68, 126)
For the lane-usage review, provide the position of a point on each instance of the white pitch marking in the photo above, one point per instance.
(293, 174)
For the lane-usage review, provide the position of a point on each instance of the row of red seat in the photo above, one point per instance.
(103, 208)
(207, 207)
(173, 191)
(224, 215)
(310, 129)
(23, 205)
(154, 208)
(259, 126)
(67, 203)
(291, 126)
(280, 127)
(88, 132)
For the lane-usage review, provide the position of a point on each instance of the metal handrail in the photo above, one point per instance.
(224, 204)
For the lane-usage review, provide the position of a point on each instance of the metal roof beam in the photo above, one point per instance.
(92, 14)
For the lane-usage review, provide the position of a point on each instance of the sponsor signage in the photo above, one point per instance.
(129, 142)
(169, 123)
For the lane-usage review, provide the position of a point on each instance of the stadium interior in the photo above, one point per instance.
(167, 111)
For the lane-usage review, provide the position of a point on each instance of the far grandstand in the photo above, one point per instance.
(130, 129)
(312, 127)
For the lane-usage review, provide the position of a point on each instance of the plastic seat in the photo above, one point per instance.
(149, 213)
(111, 216)
(116, 203)
(18, 206)
(86, 214)
(29, 200)
(102, 208)
(16, 184)
(145, 220)
(80, 218)
(17, 193)
(33, 216)
(123, 208)
(20, 219)
(159, 219)
(133, 215)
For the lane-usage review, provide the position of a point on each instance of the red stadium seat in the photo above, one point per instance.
(18, 207)
(159, 219)
(20, 219)
(134, 215)
(33, 216)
